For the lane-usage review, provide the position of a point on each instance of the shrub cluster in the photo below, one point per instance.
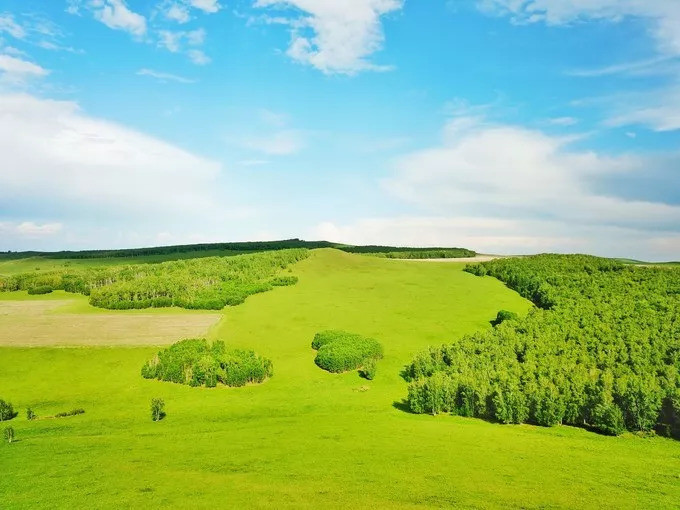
(6, 411)
(72, 412)
(340, 351)
(208, 283)
(198, 363)
(41, 289)
(602, 350)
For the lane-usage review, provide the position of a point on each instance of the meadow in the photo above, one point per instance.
(305, 438)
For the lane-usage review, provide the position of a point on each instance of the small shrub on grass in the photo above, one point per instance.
(157, 409)
(196, 362)
(9, 434)
(30, 415)
(369, 369)
(340, 351)
(72, 412)
(504, 315)
(42, 289)
(6, 411)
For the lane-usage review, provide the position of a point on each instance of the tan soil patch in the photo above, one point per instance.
(30, 324)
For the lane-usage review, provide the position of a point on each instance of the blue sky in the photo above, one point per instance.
(506, 126)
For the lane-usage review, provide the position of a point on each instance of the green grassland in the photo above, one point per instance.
(308, 438)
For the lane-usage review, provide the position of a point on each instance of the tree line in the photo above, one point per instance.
(601, 350)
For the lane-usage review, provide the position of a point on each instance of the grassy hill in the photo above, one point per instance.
(308, 438)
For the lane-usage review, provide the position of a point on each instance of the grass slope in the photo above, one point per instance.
(307, 438)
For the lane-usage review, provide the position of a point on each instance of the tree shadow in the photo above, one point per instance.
(402, 406)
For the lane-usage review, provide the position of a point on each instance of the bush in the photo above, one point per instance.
(195, 362)
(157, 409)
(72, 412)
(30, 415)
(6, 411)
(9, 434)
(504, 315)
(42, 289)
(369, 369)
(340, 351)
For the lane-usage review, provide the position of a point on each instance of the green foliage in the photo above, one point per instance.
(369, 369)
(9, 434)
(196, 362)
(72, 412)
(42, 289)
(504, 315)
(209, 283)
(6, 411)
(157, 409)
(30, 415)
(340, 351)
(415, 253)
(602, 350)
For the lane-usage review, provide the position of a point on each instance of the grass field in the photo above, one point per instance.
(308, 438)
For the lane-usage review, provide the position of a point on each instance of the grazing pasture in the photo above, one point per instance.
(307, 438)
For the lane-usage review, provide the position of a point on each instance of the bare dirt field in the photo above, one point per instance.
(33, 324)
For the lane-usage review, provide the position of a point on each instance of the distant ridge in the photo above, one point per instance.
(237, 247)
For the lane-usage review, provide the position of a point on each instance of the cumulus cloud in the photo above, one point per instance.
(209, 6)
(63, 161)
(187, 42)
(116, 15)
(513, 190)
(662, 15)
(336, 36)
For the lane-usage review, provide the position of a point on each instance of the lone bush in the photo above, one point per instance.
(30, 415)
(6, 411)
(196, 362)
(157, 409)
(340, 351)
(369, 369)
(504, 315)
(9, 434)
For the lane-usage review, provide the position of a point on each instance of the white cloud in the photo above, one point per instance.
(209, 6)
(336, 36)
(186, 42)
(29, 229)
(663, 15)
(62, 162)
(281, 143)
(507, 189)
(115, 14)
(164, 76)
(658, 110)
(563, 121)
(198, 57)
(177, 12)
(498, 236)
(10, 26)
(16, 71)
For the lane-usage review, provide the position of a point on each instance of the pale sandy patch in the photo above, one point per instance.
(31, 324)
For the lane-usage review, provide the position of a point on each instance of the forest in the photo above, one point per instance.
(601, 350)
(209, 283)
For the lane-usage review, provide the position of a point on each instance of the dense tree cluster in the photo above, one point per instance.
(6, 411)
(601, 350)
(424, 253)
(196, 362)
(340, 351)
(203, 283)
